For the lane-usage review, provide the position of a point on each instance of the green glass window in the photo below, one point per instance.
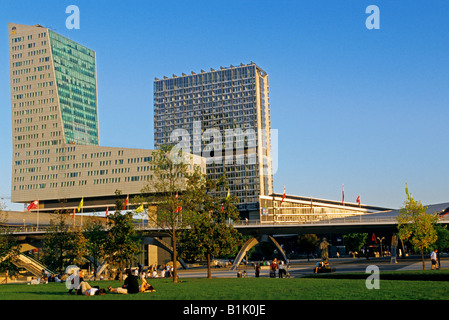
(75, 72)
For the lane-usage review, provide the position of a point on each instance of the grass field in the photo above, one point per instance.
(404, 285)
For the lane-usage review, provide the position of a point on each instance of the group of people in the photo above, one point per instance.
(275, 266)
(130, 286)
(321, 265)
(278, 265)
(152, 272)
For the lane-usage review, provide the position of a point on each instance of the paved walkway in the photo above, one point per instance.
(299, 268)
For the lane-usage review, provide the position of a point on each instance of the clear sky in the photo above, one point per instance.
(353, 106)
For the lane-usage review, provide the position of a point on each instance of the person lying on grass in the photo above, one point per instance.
(86, 290)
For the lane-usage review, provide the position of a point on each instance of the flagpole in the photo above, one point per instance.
(37, 226)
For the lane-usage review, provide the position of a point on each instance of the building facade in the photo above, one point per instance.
(224, 116)
(55, 132)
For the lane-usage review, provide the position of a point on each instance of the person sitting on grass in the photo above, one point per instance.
(131, 284)
(76, 281)
(146, 287)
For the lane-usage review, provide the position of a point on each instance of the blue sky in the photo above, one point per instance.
(363, 108)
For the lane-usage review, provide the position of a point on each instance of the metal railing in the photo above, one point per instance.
(359, 219)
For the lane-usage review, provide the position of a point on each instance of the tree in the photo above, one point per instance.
(63, 244)
(163, 190)
(417, 226)
(209, 216)
(355, 241)
(308, 243)
(9, 248)
(122, 243)
(95, 235)
(442, 242)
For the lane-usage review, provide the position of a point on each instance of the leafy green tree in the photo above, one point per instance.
(417, 226)
(442, 242)
(164, 188)
(308, 243)
(122, 244)
(211, 232)
(9, 248)
(63, 244)
(355, 241)
(94, 233)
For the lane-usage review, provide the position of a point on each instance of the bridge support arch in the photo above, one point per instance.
(251, 243)
(161, 244)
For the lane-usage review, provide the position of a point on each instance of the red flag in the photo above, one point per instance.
(107, 212)
(33, 205)
(283, 196)
(358, 200)
(343, 195)
(222, 208)
(178, 209)
(126, 202)
(373, 238)
(73, 214)
(176, 195)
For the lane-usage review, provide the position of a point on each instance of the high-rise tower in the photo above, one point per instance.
(56, 152)
(212, 107)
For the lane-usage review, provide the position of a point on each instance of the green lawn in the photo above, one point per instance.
(423, 285)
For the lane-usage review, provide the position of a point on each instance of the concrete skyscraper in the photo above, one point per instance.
(226, 113)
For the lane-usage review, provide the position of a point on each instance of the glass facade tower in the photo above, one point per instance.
(75, 73)
(55, 134)
(213, 106)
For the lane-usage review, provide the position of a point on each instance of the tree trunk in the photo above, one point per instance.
(423, 261)
(209, 273)
(175, 258)
(403, 249)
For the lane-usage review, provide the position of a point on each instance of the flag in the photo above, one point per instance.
(126, 202)
(139, 209)
(358, 200)
(409, 196)
(176, 195)
(178, 209)
(73, 214)
(81, 204)
(283, 197)
(373, 238)
(229, 194)
(343, 195)
(406, 191)
(107, 212)
(33, 205)
(222, 208)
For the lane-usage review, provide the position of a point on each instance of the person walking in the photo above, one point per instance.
(282, 271)
(433, 259)
(257, 270)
